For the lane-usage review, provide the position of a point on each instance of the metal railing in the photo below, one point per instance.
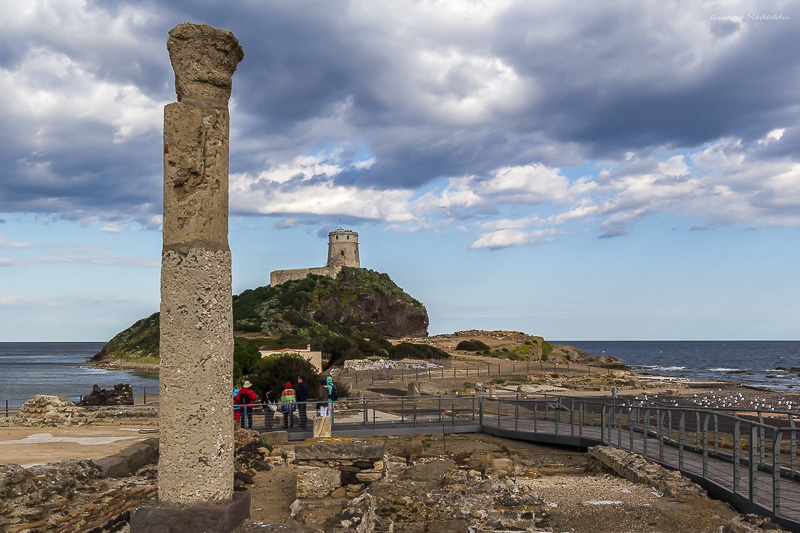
(746, 457)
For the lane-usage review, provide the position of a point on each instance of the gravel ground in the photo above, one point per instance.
(578, 500)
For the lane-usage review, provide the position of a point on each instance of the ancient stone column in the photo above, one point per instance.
(196, 375)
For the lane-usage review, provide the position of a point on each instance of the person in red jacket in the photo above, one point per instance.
(245, 398)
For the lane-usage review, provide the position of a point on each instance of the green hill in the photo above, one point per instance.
(332, 314)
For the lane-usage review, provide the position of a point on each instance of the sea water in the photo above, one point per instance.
(765, 364)
(60, 369)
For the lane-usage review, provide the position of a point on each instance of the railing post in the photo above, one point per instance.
(480, 410)
(546, 408)
(535, 414)
(762, 457)
(646, 429)
(716, 434)
(793, 448)
(660, 435)
(402, 411)
(516, 414)
(752, 466)
(736, 453)
(631, 411)
(697, 428)
(414, 414)
(366, 418)
(681, 438)
(374, 415)
(603, 424)
(705, 446)
(571, 415)
(776, 473)
(556, 416)
(498, 412)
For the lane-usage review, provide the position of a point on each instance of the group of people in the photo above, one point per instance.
(290, 400)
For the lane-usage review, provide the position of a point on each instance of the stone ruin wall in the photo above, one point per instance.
(276, 277)
(54, 411)
(338, 468)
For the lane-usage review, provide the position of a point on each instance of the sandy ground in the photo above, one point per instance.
(34, 446)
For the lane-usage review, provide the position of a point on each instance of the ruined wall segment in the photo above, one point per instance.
(196, 322)
(342, 252)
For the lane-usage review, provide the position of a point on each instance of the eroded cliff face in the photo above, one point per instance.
(376, 315)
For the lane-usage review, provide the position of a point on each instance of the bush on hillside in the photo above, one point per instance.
(276, 370)
(407, 350)
(472, 345)
(246, 359)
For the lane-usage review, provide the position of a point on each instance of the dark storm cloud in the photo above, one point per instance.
(426, 99)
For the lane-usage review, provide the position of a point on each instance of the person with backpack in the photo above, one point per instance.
(288, 405)
(245, 398)
(329, 390)
(236, 409)
(302, 398)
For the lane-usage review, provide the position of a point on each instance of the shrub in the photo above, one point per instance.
(472, 345)
(276, 370)
(246, 358)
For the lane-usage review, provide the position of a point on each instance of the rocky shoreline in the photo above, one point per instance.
(113, 363)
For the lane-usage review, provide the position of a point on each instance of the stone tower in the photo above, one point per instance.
(343, 249)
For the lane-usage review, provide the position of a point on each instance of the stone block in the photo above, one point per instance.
(210, 518)
(322, 427)
(339, 449)
(368, 477)
(275, 438)
(113, 466)
(317, 482)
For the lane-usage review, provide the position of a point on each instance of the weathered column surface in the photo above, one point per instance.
(196, 424)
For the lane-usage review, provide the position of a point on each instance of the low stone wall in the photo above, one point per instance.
(129, 460)
(338, 467)
(67, 496)
(637, 469)
(53, 411)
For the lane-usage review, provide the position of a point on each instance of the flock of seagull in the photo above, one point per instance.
(732, 400)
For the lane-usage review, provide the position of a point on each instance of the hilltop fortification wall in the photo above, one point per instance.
(276, 277)
(342, 252)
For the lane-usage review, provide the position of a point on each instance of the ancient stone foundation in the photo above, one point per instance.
(637, 469)
(337, 467)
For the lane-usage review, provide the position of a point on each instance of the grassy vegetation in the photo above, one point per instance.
(323, 312)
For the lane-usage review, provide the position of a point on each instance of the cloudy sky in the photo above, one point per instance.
(582, 170)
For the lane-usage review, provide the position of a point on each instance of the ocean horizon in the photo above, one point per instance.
(61, 368)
